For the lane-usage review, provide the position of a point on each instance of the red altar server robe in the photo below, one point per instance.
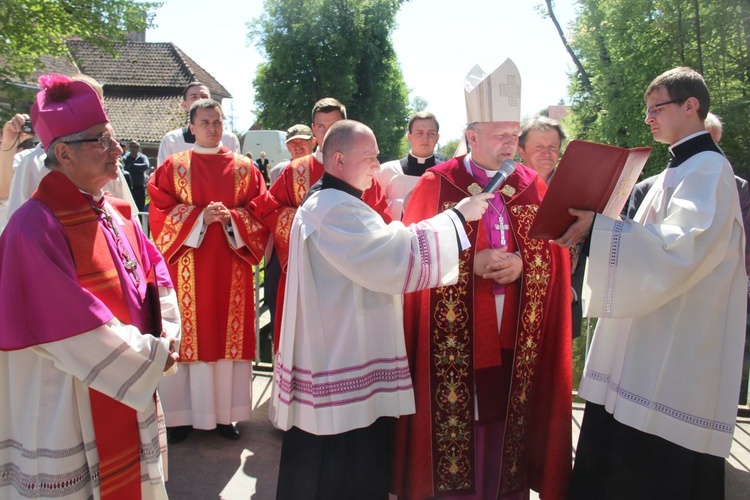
(218, 317)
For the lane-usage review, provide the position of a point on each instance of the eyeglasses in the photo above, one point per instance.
(652, 111)
(106, 141)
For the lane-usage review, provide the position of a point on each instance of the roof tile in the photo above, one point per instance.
(143, 64)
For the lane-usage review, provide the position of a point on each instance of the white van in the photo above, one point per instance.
(270, 141)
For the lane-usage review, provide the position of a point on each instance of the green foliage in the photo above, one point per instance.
(35, 28)
(579, 349)
(446, 150)
(624, 44)
(331, 48)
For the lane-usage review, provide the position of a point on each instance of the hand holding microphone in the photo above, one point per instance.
(473, 208)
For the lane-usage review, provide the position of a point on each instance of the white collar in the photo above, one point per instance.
(468, 165)
(206, 151)
(419, 159)
(685, 139)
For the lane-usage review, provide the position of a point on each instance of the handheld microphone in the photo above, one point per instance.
(507, 168)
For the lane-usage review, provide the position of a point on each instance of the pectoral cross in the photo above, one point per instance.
(502, 227)
(130, 264)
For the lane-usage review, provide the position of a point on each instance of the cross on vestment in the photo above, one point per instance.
(502, 227)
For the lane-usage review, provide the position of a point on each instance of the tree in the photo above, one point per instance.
(35, 28)
(330, 48)
(621, 45)
(418, 104)
(446, 150)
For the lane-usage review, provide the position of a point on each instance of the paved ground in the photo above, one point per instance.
(205, 466)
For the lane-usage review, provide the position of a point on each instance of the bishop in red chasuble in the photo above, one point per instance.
(491, 355)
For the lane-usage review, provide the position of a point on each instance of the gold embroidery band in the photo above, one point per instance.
(536, 283)
(236, 318)
(186, 297)
(452, 385)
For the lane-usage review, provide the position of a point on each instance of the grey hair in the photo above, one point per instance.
(540, 123)
(713, 122)
(51, 160)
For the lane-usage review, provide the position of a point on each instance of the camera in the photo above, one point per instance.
(27, 128)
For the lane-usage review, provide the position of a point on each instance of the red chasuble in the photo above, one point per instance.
(278, 207)
(521, 377)
(218, 317)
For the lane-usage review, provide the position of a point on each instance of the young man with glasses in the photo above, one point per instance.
(663, 374)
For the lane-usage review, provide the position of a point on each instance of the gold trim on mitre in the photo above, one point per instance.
(495, 97)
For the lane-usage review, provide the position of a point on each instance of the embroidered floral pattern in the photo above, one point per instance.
(182, 177)
(253, 226)
(537, 273)
(453, 422)
(301, 184)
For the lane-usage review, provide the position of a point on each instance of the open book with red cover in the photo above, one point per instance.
(590, 176)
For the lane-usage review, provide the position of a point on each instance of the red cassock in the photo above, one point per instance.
(278, 207)
(218, 318)
(520, 378)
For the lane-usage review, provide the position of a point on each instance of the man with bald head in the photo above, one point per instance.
(341, 375)
(278, 206)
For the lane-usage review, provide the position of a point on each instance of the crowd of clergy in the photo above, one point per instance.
(421, 336)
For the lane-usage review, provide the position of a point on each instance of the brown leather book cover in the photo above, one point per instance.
(590, 176)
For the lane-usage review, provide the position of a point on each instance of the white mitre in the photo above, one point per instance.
(495, 97)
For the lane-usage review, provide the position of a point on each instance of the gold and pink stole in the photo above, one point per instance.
(115, 424)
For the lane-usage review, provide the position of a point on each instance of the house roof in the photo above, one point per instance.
(144, 118)
(142, 84)
(60, 65)
(144, 65)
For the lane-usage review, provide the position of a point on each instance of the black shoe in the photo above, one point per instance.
(178, 434)
(228, 431)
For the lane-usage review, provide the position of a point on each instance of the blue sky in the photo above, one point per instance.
(437, 42)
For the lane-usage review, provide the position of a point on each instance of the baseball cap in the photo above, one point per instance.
(299, 131)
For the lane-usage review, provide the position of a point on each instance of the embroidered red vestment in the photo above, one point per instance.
(218, 317)
(521, 377)
(115, 424)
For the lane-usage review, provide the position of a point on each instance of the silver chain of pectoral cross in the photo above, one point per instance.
(129, 263)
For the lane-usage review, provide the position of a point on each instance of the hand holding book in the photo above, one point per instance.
(591, 177)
